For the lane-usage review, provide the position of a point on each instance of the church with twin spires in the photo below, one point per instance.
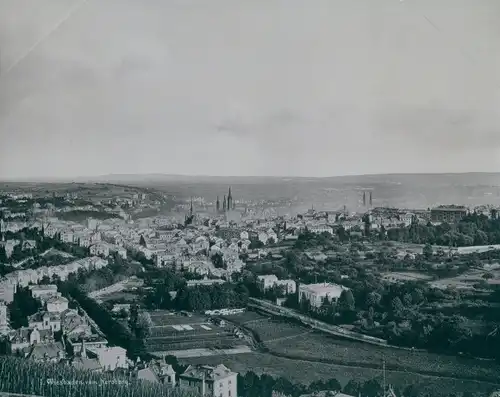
(228, 208)
(227, 204)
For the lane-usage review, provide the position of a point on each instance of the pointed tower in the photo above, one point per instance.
(371, 199)
(217, 205)
(229, 200)
(191, 208)
(224, 204)
(364, 199)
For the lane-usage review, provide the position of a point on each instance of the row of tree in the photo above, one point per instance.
(197, 298)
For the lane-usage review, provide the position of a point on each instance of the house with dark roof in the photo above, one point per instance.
(45, 321)
(47, 352)
(22, 338)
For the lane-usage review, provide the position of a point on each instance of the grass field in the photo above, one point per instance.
(296, 353)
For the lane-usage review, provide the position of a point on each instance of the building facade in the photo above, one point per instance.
(316, 293)
(206, 380)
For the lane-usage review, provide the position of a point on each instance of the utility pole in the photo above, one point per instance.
(383, 369)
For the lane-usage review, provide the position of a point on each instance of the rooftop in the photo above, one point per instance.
(323, 288)
(207, 372)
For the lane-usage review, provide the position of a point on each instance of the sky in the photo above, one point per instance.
(248, 87)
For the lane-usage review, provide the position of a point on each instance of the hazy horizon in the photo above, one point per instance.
(331, 88)
(171, 177)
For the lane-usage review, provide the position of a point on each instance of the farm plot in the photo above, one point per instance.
(274, 330)
(307, 372)
(326, 348)
(171, 333)
(245, 317)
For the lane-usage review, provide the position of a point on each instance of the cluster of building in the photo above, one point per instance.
(75, 331)
(23, 278)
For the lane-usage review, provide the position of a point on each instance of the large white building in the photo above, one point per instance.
(110, 358)
(316, 293)
(268, 281)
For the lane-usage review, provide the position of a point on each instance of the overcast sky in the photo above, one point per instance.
(248, 87)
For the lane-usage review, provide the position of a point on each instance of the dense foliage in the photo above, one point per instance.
(23, 306)
(196, 298)
(474, 229)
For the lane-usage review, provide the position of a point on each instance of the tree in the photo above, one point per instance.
(373, 299)
(218, 260)
(346, 301)
(134, 317)
(143, 325)
(255, 244)
(427, 251)
(3, 255)
(397, 305)
(353, 388)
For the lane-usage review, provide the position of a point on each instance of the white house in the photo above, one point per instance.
(268, 281)
(244, 235)
(111, 358)
(318, 229)
(100, 249)
(43, 292)
(206, 380)
(316, 293)
(57, 304)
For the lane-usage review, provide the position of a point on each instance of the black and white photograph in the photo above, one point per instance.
(249, 198)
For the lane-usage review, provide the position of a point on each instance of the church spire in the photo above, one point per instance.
(229, 200)
(217, 205)
(224, 204)
(191, 208)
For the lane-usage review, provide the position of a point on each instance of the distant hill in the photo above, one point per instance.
(413, 191)
(393, 190)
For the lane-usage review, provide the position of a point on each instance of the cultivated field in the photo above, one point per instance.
(468, 279)
(306, 372)
(292, 348)
(172, 332)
